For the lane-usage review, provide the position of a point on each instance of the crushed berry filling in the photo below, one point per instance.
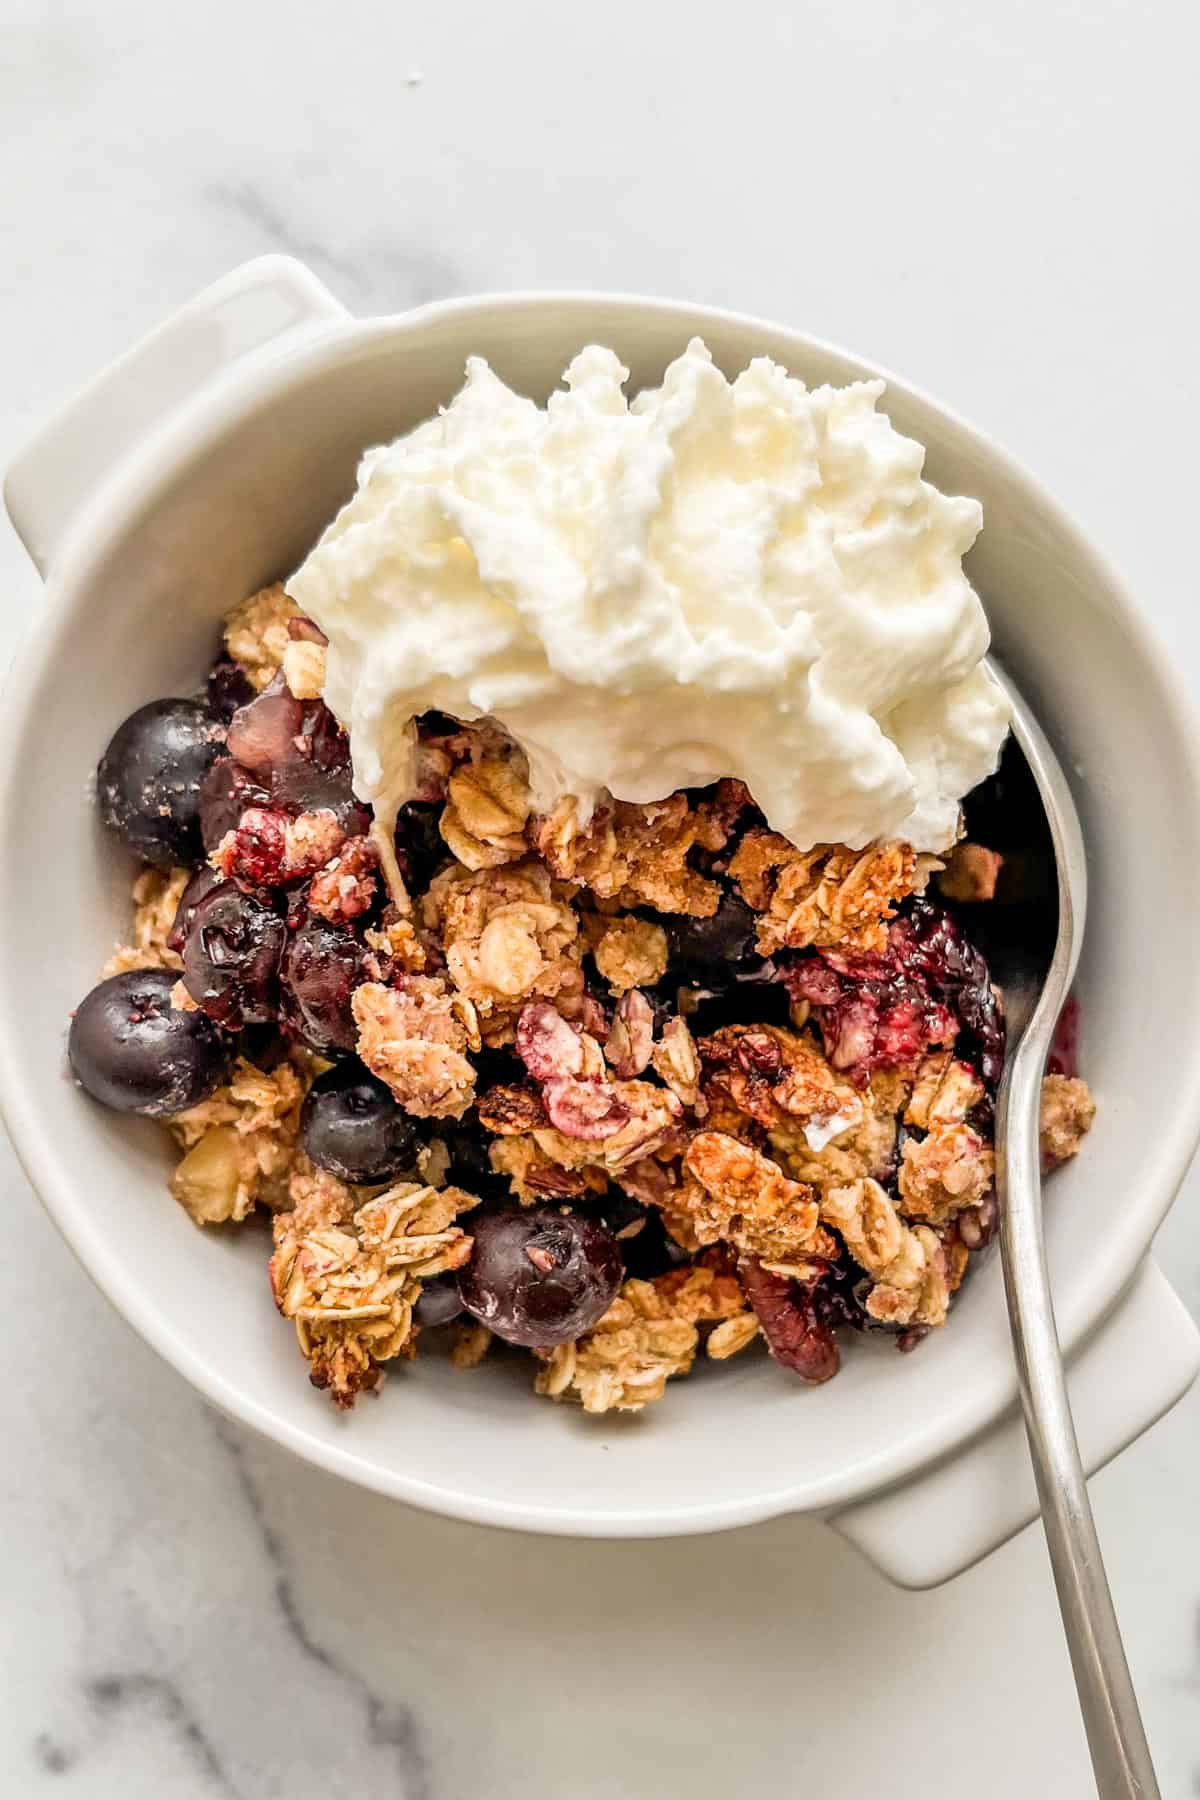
(930, 987)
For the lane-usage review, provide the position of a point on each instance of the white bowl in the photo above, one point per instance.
(201, 467)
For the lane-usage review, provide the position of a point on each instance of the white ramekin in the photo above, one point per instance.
(201, 466)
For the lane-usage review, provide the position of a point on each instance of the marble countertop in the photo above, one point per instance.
(998, 200)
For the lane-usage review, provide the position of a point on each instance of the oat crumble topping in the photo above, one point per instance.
(756, 1113)
(257, 636)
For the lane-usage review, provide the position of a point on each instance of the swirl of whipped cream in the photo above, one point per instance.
(718, 578)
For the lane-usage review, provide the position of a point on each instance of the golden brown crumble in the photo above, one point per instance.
(351, 1287)
(508, 1110)
(535, 1177)
(156, 896)
(971, 873)
(752, 1146)
(945, 1090)
(317, 1199)
(652, 1115)
(867, 1148)
(636, 855)
(414, 1036)
(256, 633)
(631, 953)
(649, 1333)
(676, 1060)
(1068, 1110)
(398, 941)
(506, 936)
(240, 1143)
(738, 1196)
(908, 1266)
(483, 823)
(303, 665)
(942, 1173)
(772, 1074)
(822, 897)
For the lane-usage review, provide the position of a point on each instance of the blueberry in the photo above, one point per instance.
(148, 782)
(713, 950)
(297, 751)
(229, 687)
(198, 888)
(231, 957)
(351, 1125)
(540, 1276)
(439, 1302)
(322, 966)
(132, 1050)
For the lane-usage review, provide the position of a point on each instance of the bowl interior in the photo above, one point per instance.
(138, 618)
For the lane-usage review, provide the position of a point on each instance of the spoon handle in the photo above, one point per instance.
(1116, 1738)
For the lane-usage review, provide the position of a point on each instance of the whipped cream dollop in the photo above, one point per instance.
(716, 578)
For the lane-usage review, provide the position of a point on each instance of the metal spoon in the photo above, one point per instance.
(1032, 1003)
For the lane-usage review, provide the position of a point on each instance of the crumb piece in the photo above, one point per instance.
(824, 897)
(676, 1061)
(773, 1074)
(738, 1196)
(1068, 1110)
(351, 1287)
(631, 953)
(636, 855)
(239, 1144)
(270, 848)
(472, 1341)
(317, 1199)
(732, 1336)
(646, 1116)
(941, 1174)
(345, 888)
(156, 897)
(944, 1092)
(414, 1036)
(483, 822)
(649, 1333)
(908, 1266)
(868, 1149)
(256, 633)
(398, 942)
(303, 668)
(970, 874)
(629, 1046)
(508, 1110)
(506, 937)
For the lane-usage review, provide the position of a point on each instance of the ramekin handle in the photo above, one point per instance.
(1132, 1370)
(255, 308)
